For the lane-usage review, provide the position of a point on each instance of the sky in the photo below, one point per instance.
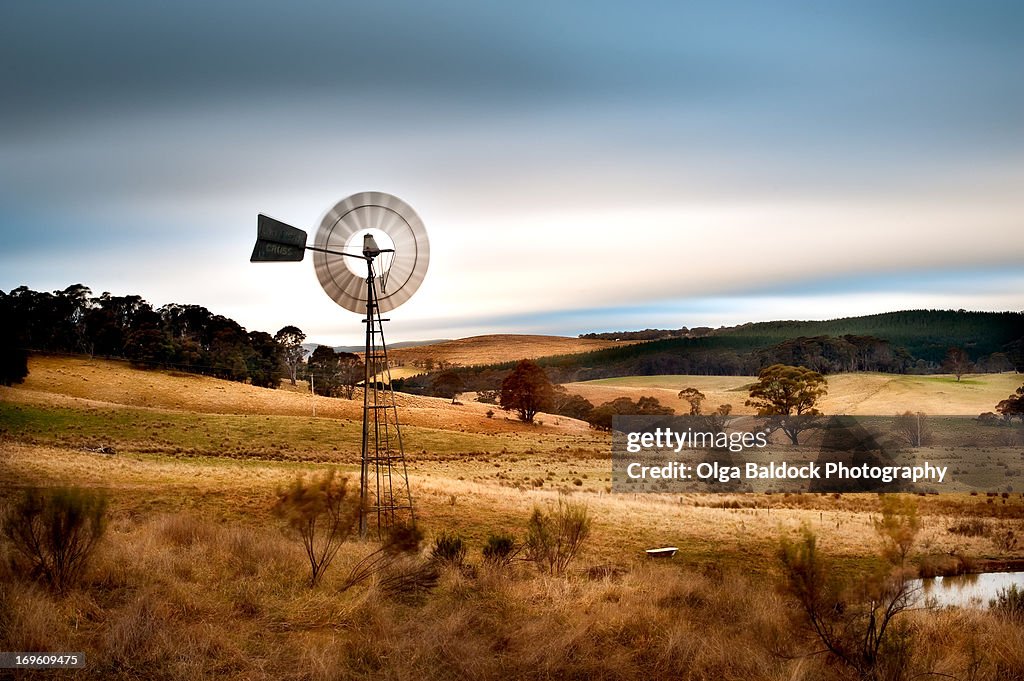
(578, 166)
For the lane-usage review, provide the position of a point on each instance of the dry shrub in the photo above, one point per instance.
(449, 549)
(1009, 602)
(1005, 539)
(409, 578)
(971, 527)
(554, 538)
(322, 514)
(856, 621)
(500, 549)
(943, 565)
(55, 533)
(402, 540)
(898, 528)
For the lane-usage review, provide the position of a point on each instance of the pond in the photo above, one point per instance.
(964, 591)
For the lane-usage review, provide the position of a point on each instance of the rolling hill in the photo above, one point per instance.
(870, 394)
(498, 349)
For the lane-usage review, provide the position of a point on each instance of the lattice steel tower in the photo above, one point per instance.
(382, 453)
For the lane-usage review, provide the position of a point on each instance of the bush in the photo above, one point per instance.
(56, 532)
(1009, 602)
(449, 549)
(553, 539)
(854, 621)
(500, 549)
(321, 514)
(898, 528)
(971, 527)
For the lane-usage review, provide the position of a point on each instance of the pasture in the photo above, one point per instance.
(196, 578)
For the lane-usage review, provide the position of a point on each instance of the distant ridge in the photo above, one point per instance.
(911, 341)
(392, 346)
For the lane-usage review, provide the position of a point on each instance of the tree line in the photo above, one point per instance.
(189, 338)
(925, 335)
(725, 355)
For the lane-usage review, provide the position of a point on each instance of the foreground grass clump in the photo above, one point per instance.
(54, 533)
(500, 549)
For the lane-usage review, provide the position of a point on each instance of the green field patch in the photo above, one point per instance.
(231, 435)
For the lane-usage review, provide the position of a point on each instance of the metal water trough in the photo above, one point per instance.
(664, 552)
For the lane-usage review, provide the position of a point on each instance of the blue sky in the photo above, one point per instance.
(579, 166)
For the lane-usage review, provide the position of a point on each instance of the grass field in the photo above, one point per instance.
(196, 579)
(864, 394)
(499, 348)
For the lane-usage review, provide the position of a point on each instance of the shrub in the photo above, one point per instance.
(854, 621)
(1009, 602)
(553, 539)
(449, 549)
(56, 532)
(322, 514)
(898, 528)
(500, 549)
(971, 527)
(1005, 540)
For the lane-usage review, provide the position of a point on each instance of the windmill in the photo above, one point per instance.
(370, 254)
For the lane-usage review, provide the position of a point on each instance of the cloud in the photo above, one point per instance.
(565, 156)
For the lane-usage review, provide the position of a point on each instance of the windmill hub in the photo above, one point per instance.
(370, 247)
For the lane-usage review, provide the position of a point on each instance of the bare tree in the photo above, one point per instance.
(913, 428)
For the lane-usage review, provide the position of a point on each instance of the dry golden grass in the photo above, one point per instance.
(860, 394)
(478, 495)
(195, 579)
(182, 597)
(498, 348)
(55, 381)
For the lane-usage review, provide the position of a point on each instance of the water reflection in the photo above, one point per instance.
(964, 591)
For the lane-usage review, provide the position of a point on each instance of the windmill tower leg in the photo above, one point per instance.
(382, 453)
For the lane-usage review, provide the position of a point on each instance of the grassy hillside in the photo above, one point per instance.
(497, 349)
(861, 393)
(75, 383)
(895, 342)
(925, 334)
